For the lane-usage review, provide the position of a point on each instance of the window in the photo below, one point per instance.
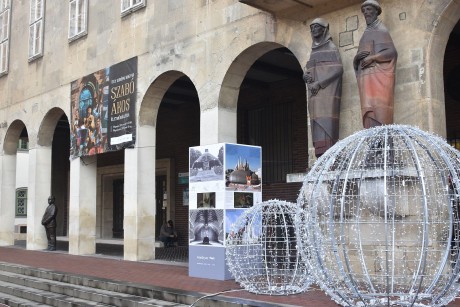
(36, 29)
(78, 21)
(4, 35)
(21, 202)
(23, 144)
(129, 6)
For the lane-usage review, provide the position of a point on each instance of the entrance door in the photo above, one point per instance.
(160, 192)
(118, 208)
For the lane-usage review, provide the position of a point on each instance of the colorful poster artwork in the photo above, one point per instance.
(243, 200)
(103, 108)
(206, 200)
(243, 168)
(206, 163)
(206, 227)
(242, 226)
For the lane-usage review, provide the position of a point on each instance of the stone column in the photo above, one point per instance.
(37, 195)
(139, 198)
(7, 199)
(82, 206)
(218, 126)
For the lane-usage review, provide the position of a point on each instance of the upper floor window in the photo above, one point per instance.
(36, 25)
(128, 6)
(5, 8)
(78, 19)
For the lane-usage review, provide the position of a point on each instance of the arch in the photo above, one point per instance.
(148, 110)
(228, 97)
(442, 26)
(262, 101)
(48, 125)
(12, 136)
(8, 182)
(177, 128)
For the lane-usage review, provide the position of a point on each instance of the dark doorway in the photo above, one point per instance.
(451, 88)
(177, 129)
(118, 208)
(60, 170)
(160, 191)
(272, 113)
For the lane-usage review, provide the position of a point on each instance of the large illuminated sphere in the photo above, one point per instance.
(261, 250)
(379, 224)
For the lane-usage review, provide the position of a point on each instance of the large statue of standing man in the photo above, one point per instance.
(375, 64)
(49, 221)
(323, 75)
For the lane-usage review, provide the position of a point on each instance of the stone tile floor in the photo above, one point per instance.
(171, 254)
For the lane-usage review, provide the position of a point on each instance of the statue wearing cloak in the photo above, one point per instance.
(323, 75)
(374, 65)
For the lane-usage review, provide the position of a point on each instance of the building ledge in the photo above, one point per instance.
(301, 10)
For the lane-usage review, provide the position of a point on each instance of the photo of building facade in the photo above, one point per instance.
(208, 72)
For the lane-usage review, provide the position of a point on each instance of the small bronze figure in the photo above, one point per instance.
(375, 64)
(49, 221)
(323, 75)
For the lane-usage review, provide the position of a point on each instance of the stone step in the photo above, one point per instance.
(57, 293)
(82, 285)
(43, 297)
(110, 292)
(14, 301)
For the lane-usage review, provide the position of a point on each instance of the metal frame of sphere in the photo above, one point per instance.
(378, 219)
(261, 250)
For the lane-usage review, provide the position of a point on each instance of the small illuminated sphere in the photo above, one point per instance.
(378, 222)
(261, 250)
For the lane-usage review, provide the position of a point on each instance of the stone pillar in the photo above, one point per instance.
(82, 206)
(7, 198)
(37, 195)
(218, 126)
(139, 198)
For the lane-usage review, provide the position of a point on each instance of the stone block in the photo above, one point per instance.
(416, 56)
(407, 74)
(345, 38)
(352, 23)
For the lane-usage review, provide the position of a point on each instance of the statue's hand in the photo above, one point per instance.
(307, 77)
(314, 88)
(361, 55)
(367, 61)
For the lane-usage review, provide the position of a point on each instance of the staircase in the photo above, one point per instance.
(26, 286)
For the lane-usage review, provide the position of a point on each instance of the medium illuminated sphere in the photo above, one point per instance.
(261, 250)
(379, 219)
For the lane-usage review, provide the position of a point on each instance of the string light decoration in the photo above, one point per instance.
(378, 223)
(261, 250)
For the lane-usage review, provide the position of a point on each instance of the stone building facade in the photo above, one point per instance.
(209, 71)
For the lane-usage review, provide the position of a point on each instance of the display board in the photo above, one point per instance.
(224, 180)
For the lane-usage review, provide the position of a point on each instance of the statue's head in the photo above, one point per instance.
(318, 27)
(371, 10)
(51, 199)
(375, 6)
(373, 3)
(320, 21)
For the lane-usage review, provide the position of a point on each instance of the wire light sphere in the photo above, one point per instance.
(378, 219)
(262, 250)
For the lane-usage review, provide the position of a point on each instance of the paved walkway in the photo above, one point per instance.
(153, 274)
